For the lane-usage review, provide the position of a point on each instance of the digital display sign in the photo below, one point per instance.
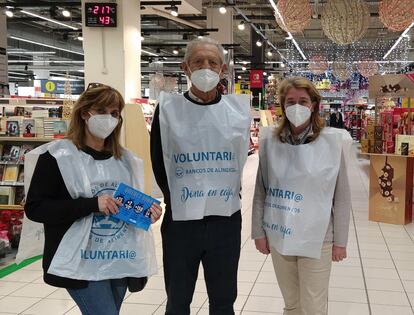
(100, 14)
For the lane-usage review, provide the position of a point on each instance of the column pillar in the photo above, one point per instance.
(112, 55)
(224, 22)
(4, 77)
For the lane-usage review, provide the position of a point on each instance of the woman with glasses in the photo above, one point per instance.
(95, 256)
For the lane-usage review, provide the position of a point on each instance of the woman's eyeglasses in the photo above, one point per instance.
(95, 85)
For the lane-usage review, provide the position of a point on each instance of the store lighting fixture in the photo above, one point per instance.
(66, 13)
(225, 51)
(239, 77)
(174, 10)
(222, 9)
(282, 65)
(18, 52)
(290, 37)
(9, 13)
(244, 62)
(241, 26)
(199, 37)
(244, 68)
(80, 38)
(45, 45)
(269, 53)
(47, 61)
(149, 53)
(259, 43)
(142, 38)
(49, 20)
(17, 73)
(175, 51)
(265, 73)
(404, 34)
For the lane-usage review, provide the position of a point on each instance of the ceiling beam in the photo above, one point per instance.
(27, 4)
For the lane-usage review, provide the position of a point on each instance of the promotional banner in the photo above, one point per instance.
(391, 189)
(392, 85)
(58, 87)
(256, 79)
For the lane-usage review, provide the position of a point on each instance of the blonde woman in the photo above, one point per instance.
(302, 200)
(90, 253)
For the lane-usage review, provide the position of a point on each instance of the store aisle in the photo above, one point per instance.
(377, 278)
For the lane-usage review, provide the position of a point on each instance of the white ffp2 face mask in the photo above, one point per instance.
(205, 79)
(298, 114)
(101, 126)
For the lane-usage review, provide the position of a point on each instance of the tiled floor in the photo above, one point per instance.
(377, 278)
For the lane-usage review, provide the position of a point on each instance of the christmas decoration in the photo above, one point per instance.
(368, 68)
(345, 21)
(296, 15)
(341, 71)
(396, 15)
(318, 65)
(67, 101)
(385, 181)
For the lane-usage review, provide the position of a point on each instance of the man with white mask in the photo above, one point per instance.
(199, 144)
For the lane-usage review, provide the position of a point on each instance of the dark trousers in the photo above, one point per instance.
(215, 242)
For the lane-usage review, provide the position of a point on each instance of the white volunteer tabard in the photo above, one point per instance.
(99, 247)
(300, 184)
(204, 149)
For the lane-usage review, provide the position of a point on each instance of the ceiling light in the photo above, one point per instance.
(66, 13)
(49, 20)
(175, 51)
(239, 77)
(174, 10)
(9, 13)
(269, 53)
(241, 26)
(25, 52)
(282, 65)
(222, 9)
(265, 73)
(244, 62)
(45, 45)
(244, 68)
(142, 38)
(259, 43)
(80, 38)
(199, 37)
(404, 34)
(225, 51)
(149, 53)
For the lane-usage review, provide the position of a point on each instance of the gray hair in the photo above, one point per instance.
(203, 41)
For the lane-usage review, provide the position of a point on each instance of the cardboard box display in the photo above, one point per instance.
(365, 145)
(404, 138)
(378, 146)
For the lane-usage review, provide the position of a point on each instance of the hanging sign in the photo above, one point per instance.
(392, 85)
(256, 79)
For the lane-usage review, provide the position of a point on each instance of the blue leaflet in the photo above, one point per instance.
(135, 206)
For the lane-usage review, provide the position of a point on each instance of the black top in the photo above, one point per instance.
(49, 202)
(157, 158)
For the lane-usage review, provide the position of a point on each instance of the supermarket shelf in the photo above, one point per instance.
(11, 162)
(11, 207)
(6, 183)
(26, 139)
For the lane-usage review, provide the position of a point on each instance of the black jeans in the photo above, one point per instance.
(215, 242)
